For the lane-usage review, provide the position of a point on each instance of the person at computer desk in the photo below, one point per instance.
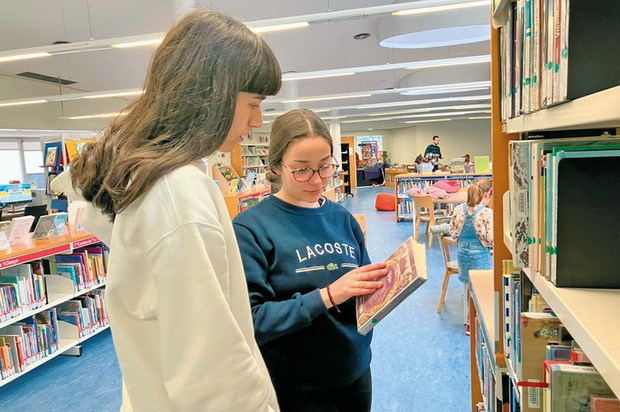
(433, 153)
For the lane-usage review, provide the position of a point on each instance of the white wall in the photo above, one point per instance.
(456, 139)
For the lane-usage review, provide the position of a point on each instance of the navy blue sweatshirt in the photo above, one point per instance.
(288, 254)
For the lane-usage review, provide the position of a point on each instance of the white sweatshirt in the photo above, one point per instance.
(178, 301)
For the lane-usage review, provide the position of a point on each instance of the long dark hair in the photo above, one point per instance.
(185, 112)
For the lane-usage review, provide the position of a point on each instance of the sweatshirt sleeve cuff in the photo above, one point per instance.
(314, 303)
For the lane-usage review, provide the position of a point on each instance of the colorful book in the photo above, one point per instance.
(52, 154)
(604, 404)
(406, 272)
(571, 386)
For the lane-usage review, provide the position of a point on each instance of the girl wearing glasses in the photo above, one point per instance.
(305, 259)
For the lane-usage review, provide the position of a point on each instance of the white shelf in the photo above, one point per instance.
(65, 345)
(54, 300)
(481, 288)
(590, 315)
(598, 110)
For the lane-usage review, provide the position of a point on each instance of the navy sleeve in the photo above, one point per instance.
(361, 241)
(273, 319)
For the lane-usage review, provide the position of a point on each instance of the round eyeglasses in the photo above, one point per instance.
(304, 174)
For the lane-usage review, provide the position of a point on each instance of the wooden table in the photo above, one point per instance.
(458, 197)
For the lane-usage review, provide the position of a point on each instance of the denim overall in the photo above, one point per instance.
(472, 254)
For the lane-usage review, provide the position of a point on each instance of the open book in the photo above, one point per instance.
(406, 272)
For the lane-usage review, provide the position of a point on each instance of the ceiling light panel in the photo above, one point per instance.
(92, 116)
(21, 103)
(428, 121)
(318, 99)
(440, 8)
(24, 56)
(279, 27)
(448, 36)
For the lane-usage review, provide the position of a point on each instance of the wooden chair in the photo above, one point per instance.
(361, 219)
(452, 267)
(425, 212)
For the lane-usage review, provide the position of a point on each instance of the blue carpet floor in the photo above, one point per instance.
(420, 358)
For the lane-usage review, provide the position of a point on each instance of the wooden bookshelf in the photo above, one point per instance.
(586, 313)
(589, 316)
(233, 201)
(403, 198)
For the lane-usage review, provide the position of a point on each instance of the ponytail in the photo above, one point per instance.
(477, 189)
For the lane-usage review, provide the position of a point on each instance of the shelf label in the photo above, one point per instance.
(39, 254)
(84, 242)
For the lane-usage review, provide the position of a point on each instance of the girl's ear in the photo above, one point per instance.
(277, 170)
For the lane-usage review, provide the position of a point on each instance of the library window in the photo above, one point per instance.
(10, 166)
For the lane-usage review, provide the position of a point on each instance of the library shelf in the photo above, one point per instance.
(40, 248)
(590, 317)
(597, 110)
(54, 299)
(481, 288)
(65, 345)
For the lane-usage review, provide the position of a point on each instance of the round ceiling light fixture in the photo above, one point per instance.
(449, 36)
(361, 36)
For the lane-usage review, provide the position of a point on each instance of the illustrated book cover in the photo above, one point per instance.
(406, 272)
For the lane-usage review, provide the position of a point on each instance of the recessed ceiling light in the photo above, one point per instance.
(361, 36)
(449, 36)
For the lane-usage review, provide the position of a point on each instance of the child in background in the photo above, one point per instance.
(471, 225)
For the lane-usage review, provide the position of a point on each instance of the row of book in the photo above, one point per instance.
(547, 48)
(254, 161)
(87, 312)
(486, 372)
(85, 267)
(24, 287)
(254, 150)
(405, 208)
(563, 194)
(36, 337)
(547, 366)
(534, 50)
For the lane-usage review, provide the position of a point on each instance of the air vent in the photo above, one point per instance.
(44, 78)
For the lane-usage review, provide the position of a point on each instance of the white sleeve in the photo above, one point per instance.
(207, 362)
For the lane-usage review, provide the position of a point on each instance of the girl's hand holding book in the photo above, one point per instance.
(361, 281)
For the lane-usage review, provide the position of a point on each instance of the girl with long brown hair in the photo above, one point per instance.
(176, 293)
(305, 260)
